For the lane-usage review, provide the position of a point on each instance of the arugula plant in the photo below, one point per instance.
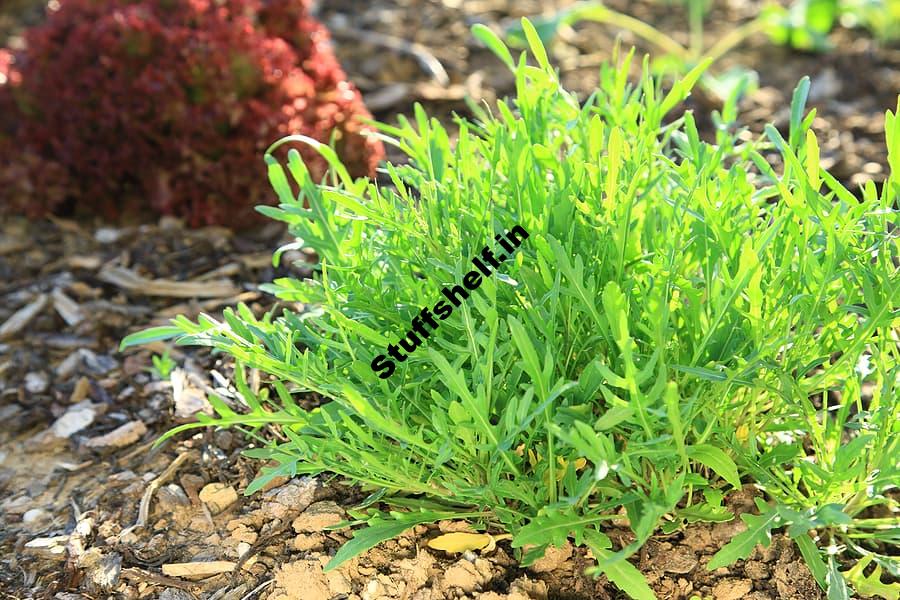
(684, 319)
(163, 365)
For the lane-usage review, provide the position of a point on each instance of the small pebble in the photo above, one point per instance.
(36, 383)
(35, 517)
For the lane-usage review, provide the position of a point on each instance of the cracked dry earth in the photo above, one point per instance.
(89, 508)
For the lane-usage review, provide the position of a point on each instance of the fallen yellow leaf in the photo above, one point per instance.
(460, 542)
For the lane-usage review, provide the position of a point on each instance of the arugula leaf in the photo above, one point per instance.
(870, 585)
(378, 529)
(717, 460)
(759, 531)
(621, 572)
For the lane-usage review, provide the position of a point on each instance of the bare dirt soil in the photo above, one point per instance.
(90, 509)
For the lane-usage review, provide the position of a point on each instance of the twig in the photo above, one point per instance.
(144, 510)
(257, 589)
(130, 281)
(262, 540)
(428, 61)
(155, 578)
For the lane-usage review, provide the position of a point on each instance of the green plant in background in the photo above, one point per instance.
(882, 17)
(682, 320)
(805, 24)
(163, 365)
(673, 57)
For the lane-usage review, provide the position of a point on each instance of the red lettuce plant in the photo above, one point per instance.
(120, 105)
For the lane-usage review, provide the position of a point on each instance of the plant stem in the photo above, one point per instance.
(733, 38)
(695, 16)
(602, 14)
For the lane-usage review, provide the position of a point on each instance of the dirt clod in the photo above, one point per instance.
(793, 580)
(553, 559)
(756, 569)
(301, 580)
(218, 496)
(678, 560)
(732, 589)
(467, 576)
(307, 542)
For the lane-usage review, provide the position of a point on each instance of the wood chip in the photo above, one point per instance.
(12, 245)
(49, 546)
(81, 391)
(90, 263)
(20, 319)
(78, 540)
(119, 437)
(189, 399)
(198, 570)
(67, 308)
(76, 418)
(130, 281)
(226, 270)
(137, 574)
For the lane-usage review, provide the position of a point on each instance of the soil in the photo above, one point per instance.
(90, 508)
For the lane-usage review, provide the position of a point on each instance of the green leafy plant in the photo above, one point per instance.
(163, 365)
(684, 319)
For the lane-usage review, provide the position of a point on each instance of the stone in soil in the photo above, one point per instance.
(36, 383)
(467, 576)
(36, 518)
(288, 499)
(102, 570)
(318, 516)
(171, 498)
